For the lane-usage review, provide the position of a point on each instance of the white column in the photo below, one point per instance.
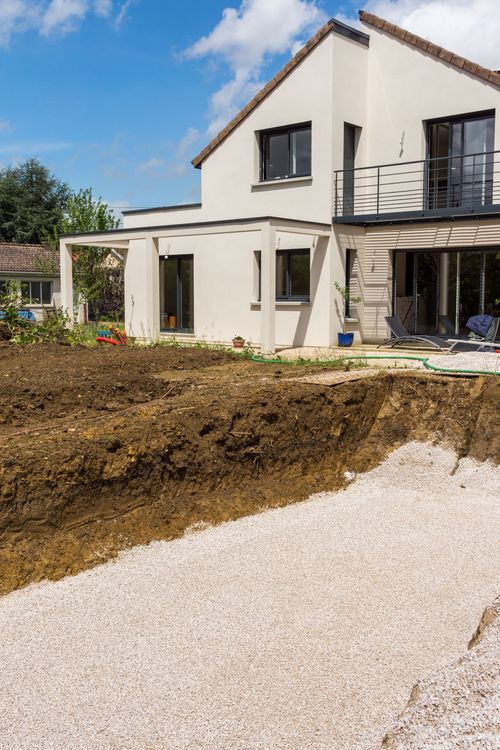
(66, 271)
(142, 289)
(268, 289)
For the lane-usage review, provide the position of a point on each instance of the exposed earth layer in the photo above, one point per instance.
(103, 449)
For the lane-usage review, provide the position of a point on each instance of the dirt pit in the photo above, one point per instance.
(300, 628)
(103, 449)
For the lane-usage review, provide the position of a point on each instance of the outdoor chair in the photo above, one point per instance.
(400, 336)
(476, 343)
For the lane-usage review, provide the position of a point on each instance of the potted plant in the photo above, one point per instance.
(238, 342)
(344, 338)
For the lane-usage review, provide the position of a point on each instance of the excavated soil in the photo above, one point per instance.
(104, 449)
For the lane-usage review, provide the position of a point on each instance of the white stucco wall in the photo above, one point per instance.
(225, 288)
(407, 86)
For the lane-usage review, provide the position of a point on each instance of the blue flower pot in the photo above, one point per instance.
(345, 339)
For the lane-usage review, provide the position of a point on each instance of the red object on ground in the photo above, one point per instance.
(106, 340)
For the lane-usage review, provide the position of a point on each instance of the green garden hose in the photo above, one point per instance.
(425, 360)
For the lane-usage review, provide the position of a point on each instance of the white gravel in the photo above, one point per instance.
(471, 361)
(457, 707)
(302, 628)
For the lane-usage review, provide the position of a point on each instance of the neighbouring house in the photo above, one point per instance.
(371, 159)
(35, 271)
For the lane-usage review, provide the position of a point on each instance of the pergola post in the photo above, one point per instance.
(142, 289)
(66, 271)
(268, 289)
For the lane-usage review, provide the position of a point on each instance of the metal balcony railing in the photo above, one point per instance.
(417, 189)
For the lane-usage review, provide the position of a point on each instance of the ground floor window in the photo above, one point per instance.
(436, 290)
(36, 292)
(32, 292)
(176, 293)
(293, 275)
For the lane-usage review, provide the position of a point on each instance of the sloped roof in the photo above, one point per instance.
(491, 76)
(18, 258)
(462, 63)
(331, 25)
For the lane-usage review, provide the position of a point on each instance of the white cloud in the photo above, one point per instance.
(467, 27)
(5, 126)
(63, 16)
(152, 166)
(245, 38)
(122, 14)
(178, 158)
(16, 16)
(50, 17)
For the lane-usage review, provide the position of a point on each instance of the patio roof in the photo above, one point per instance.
(119, 238)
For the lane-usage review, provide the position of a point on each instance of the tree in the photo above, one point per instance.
(93, 273)
(32, 203)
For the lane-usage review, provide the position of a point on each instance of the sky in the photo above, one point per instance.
(120, 95)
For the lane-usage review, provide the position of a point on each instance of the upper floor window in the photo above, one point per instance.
(461, 161)
(286, 152)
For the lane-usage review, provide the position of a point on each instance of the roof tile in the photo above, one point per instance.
(18, 258)
(462, 63)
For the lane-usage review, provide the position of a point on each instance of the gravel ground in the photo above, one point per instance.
(457, 707)
(483, 361)
(302, 628)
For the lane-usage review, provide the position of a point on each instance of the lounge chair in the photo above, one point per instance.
(400, 336)
(476, 344)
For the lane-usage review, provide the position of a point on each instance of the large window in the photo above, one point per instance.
(286, 152)
(293, 275)
(461, 161)
(176, 293)
(36, 292)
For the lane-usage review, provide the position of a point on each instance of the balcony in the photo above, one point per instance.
(427, 190)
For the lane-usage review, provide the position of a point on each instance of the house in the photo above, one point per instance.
(372, 159)
(35, 271)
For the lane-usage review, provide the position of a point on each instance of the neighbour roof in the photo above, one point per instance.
(18, 258)
(331, 25)
(491, 76)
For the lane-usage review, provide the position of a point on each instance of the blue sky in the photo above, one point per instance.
(119, 95)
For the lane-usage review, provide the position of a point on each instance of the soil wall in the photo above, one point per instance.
(131, 447)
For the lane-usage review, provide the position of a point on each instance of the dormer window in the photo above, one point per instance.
(285, 152)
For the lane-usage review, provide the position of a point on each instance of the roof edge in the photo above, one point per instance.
(178, 207)
(204, 223)
(424, 45)
(331, 25)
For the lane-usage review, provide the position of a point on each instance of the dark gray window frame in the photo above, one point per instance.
(264, 151)
(178, 278)
(288, 297)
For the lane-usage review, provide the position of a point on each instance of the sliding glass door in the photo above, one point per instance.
(176, 293)
(437, 291)
(461, 162)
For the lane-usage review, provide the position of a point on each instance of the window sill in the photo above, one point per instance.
(284, 303)
(307, 180)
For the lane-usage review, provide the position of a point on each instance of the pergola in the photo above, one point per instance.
(140, 248)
